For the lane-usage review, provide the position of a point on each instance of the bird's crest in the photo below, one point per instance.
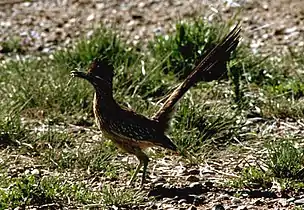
(101, 68)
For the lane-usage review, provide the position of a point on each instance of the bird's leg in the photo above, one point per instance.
(143, 161)
(136, 172)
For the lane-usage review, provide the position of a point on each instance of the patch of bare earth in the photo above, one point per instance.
(269, 26)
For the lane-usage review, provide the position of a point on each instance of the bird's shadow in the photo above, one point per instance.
(195, 194)
(189, 194)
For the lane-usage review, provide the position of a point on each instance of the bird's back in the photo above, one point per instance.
(124, 126)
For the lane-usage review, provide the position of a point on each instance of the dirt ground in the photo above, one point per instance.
(270, 27)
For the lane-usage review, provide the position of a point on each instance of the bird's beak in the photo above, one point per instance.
(80, 74)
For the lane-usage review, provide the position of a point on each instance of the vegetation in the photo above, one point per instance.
(51, 150)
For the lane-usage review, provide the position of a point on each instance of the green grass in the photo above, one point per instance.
(33, 190)
(284, 164)
(40, 109)
(121, 197)
(286, 160)
(12, 45)
(36, 190)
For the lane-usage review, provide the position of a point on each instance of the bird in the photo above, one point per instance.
(133, 132)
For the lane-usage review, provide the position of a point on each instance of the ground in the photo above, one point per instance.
(31, 29)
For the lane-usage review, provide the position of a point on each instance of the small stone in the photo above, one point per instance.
(299, 201)
(194, 172)
(209, 184)
(242, 208)
(166, 185)
(192, 208)
(291, 30)
(236, 200)
(153, 207)
(167, 200)
(196, 200)
(218, 207)
(245, 195)
(35, 171)
(158, 185)
(192, 178)
(159, 180)
(182, 201)
(223, 197)
(27, 4)
(252, 207)
(283, 202)
(90, 17)
(259, 202)
(195, 185)
(141, 5)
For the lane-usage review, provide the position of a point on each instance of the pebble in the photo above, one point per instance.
(192, 178)
(236, 200)
(223, 197)
(299, 201)
(159, 180)
(289, 200)
(209, 184)
(182, 201)
(242, 208)
(282, 201)
(218, 207)
(197, 200)
(192, 208)
(259, 202)
(193, 172)
(159, 185)
(195, 185)
(35, 172)
(245, 195)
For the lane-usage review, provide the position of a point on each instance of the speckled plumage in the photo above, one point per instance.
(133, 132)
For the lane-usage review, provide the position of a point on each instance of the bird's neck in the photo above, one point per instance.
(104, 101)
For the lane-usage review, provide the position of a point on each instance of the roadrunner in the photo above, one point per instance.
(133, 132)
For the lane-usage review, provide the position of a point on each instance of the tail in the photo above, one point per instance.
(215, 58)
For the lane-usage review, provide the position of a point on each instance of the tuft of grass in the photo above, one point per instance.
(121, 197)
(186, 45)
(11, 131)
(103, 43)
(272, 84)
(282, 108)
(35, 190)
(202, 125)
(284, 164)
(42, 84)
(252, 177)
(97, 158)
(13, 45)
(285, 160)
(293, 89)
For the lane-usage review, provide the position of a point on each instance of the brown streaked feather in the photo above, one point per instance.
(213, 59)
(126, 125)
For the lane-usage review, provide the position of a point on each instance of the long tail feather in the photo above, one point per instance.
(214, 58)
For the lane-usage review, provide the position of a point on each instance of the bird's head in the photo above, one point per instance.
(100, 73)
